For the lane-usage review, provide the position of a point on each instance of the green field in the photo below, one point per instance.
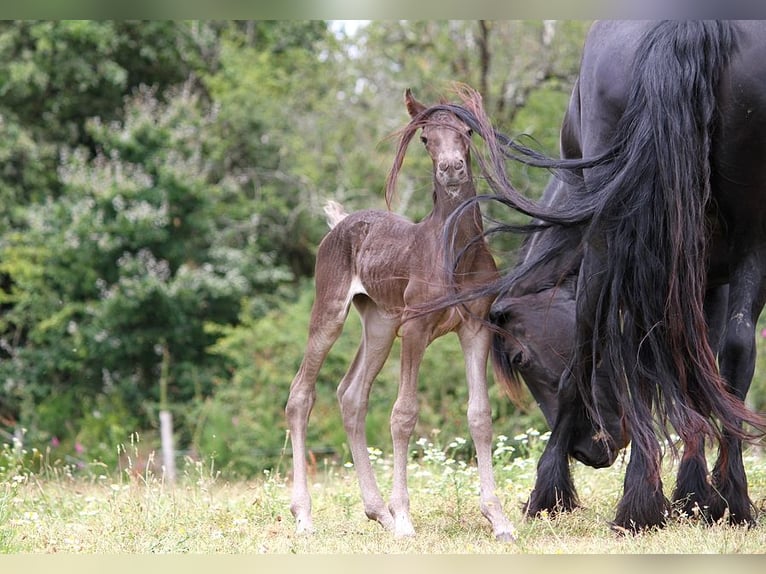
(60, 509)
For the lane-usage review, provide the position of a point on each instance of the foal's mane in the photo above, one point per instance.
(499, 148)
(406, 134)
(491, 159)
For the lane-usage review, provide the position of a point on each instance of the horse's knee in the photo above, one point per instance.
(299, 402)
(480, 422)
(403, 418)
(738, 351)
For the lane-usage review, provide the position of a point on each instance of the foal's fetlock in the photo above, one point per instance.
(400, 510)
(506, 535)
(502, 528)
(381, 515)
(303, 521)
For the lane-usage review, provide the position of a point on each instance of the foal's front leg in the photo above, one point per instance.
(403, 418)
(475, 342)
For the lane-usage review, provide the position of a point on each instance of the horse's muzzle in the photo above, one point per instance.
(595, 451)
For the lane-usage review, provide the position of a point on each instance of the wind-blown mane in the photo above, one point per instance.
(563, 221)
(656, 259)
(499, 148)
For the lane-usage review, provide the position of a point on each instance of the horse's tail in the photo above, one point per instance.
(334, 213)
(649, 231)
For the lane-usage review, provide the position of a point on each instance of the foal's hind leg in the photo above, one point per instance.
(379, 333)
(475, 342)
(326, 324)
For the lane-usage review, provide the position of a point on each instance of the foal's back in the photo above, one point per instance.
(384, 256)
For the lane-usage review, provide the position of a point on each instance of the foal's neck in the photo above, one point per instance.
(446, 203)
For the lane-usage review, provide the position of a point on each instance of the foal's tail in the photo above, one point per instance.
(649, 229)
(334, 212)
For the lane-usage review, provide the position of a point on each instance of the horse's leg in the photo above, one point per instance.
(353, 395)
(415, 339)
(747, 292)
(692, 490)
(326, 324)
(475, 341)
(554, 490)
(643, 504)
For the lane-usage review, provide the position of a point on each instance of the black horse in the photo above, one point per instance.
(632, 313)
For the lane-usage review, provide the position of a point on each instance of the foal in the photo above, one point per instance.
(386, 266)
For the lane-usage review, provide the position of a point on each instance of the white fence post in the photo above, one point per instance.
(168, 451)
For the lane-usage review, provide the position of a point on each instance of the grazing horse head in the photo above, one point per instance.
(533, 345)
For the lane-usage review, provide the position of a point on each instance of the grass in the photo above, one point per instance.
(60, 509)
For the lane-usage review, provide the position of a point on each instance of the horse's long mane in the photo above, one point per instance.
(649, 330)
(642, 208)
(645, 206)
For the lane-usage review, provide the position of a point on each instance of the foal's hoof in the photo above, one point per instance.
(404, 528)
(303, 529)
(505, 537)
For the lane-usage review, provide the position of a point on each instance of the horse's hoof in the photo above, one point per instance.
(304, 529)
(633, 528)
(404, 529)
(505, 537)
(621, 530)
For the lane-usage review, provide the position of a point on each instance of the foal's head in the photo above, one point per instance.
(447, 139)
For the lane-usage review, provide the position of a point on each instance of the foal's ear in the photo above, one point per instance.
(414, 107)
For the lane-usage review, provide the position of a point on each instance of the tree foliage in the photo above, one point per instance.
(161, 186)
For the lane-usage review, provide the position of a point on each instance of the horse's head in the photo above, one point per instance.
(534, 345)
(447, 139)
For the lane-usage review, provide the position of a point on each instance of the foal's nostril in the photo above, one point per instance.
(456, 165)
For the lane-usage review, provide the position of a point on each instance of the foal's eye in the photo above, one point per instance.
(518, 359)
(424, 139)
(470, 132)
